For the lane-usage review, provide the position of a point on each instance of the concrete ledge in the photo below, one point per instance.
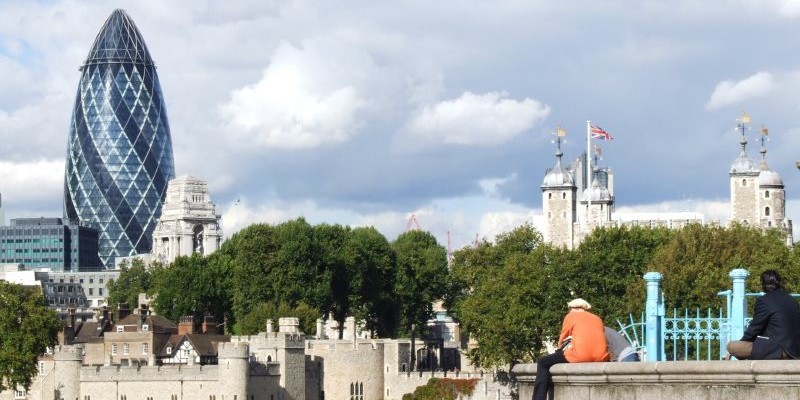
(672, 379)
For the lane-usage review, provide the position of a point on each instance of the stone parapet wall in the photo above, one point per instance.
(774, 380)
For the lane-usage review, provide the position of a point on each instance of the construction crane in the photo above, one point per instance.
(413, 224)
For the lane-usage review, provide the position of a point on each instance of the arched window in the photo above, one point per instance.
(564, 195)
(744, 182)
(766, 211)
(766, 194)
(549, 195)
(269, 358)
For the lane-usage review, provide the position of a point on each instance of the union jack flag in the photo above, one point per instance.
(600, 133)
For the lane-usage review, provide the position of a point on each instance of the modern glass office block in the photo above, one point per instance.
(119, 156)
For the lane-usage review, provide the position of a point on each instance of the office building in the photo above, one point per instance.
(119, 156)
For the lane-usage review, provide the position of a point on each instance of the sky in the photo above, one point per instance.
(364, 113)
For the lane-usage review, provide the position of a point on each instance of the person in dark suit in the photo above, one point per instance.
(774, 332)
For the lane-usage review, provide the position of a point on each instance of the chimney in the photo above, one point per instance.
(186, 325)
(71, 317)
(269, 326)
(122, 311)
(143, 311)
(320, 332)
(209, 324)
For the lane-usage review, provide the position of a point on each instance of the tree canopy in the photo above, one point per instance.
(27, 328)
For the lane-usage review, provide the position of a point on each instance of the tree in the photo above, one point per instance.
(193, 286)
(133, 279)
(421, 278)
(371, 278)
(608, 267)
(514, 296)
(696, 262)
(27, 328)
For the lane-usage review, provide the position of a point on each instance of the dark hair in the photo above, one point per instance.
(771, 280)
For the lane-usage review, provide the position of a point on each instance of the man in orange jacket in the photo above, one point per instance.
(582, 339)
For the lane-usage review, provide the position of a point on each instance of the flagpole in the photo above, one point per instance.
(588, 169)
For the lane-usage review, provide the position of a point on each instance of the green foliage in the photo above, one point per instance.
(256, 320)
(27, 328)
(696, 262)
(513, 306)
(609, 265)
(443, 389)
(421, 277)
(133, 279)
(193, 286)
(371, 277)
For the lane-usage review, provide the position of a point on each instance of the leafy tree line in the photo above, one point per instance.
(510, 295)
(266, 271)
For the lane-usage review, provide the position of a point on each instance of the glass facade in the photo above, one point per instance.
(119, 156)
(49, 243)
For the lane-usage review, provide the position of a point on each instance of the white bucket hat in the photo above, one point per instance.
(579, 303)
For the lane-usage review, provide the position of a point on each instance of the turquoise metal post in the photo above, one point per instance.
(652, 316)
(738, 303)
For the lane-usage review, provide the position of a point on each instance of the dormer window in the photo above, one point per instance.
(169, 349)
(120, 329)
(145, 328)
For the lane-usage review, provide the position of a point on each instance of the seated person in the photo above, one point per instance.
(587, 343)
(774, 332)
(619, 347)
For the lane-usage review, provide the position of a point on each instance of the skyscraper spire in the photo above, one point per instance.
(119, 158)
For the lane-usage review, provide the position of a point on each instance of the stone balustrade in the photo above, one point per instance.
(706, 380)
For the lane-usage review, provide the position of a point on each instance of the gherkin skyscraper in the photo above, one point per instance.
(119, 156)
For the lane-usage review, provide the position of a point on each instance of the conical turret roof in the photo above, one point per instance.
(119, 41)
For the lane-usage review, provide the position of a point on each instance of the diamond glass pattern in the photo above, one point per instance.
(119, 158)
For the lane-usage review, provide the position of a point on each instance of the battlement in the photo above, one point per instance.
(68, 353)
(161, 373)
(332, 346)
(233, 350)
(272, 339)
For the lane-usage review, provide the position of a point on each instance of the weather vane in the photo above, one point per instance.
(561, 134)
(743, 123)
(764, 134)
(598, 154)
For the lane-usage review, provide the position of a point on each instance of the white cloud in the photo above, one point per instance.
(306, 98)
(731, 92)
(478, 119)
(28, 182)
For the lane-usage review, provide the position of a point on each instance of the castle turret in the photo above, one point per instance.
(559, 201)
(234, 363)
(67, 371)
(744, 181)
(772, 196)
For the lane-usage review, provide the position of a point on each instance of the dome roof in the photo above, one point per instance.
(769, 178)
(743, 165)
(558, 176)
(597, 193)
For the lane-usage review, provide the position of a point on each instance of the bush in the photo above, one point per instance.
(443, 389)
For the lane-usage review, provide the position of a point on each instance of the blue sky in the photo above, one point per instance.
(362, 113)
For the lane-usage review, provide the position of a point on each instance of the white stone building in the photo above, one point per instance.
(572, 210)
(189, 222)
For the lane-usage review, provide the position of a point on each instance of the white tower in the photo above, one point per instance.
(772, 196)
(559, 201)
(744, 182)
(188, 223)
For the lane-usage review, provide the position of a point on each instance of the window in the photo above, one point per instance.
(126, 349)
(91, 291)
(145, 328)
(41, 368)
(563, 195)
(19, 394)
(120, 328)
(145, 348)
(744, 182)
(169, 349)
(766, 211)
(114, 349)
(549, 195)
(99, 291)
(766, 194)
